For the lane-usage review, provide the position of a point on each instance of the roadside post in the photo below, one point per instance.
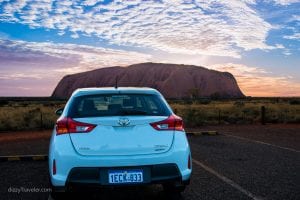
(263, 114)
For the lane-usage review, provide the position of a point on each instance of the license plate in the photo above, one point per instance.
(125, 176)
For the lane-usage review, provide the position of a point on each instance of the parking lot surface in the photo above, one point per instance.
(231, 165)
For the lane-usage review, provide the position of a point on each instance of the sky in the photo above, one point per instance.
(258, 41)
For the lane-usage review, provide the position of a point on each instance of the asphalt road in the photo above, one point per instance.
(224, 167)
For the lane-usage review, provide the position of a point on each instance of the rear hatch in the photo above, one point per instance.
(122, 124)
(110, 137)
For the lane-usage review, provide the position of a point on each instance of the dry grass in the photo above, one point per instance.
(28, 116)
(237, 112)
(32, 115)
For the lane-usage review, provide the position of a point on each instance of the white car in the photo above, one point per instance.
(118, 136)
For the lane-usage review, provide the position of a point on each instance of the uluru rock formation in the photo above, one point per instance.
(172, 80)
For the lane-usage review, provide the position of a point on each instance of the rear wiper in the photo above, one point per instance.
(133, 112)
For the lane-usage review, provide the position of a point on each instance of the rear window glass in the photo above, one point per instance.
(118, 105)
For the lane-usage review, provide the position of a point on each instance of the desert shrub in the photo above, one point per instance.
(49, 116)
(14, 116)
(23, 104)
(188, 101)
(193, 117)
(239, 103)
(215, 96)
(4, 102)
(273, 117)
(203, 101)
(294, 102)
(32, 118)
(49, 104)
(5, 125)
(296, 119)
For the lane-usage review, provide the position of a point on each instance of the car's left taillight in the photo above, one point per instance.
(173, 122)
(68, 125)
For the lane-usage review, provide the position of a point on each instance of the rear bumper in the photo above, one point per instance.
(94, 177)
(67, 159)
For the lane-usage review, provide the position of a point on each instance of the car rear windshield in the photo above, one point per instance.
(118, 105)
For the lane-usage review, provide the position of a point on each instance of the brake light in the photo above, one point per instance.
(173, 122)
(68, 125)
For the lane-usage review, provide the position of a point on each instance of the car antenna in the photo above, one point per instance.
(116, 85)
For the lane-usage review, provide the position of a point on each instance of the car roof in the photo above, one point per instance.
(113, 90)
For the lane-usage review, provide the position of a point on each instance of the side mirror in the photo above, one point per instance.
(59, 111)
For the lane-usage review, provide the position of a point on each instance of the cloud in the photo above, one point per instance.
(18, 76)
(255, 81)
(294, 22)
(285, 2)
(33, 65)
(194, 27)
(75, 35)
(295, 36)
(68, 54)
(294, 18)
(31, 68)
(90, 2)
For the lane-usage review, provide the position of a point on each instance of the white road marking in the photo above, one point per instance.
(260, 142)
(227, 180)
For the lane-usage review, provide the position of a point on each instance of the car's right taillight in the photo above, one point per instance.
(173, 122)
(68, 125)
